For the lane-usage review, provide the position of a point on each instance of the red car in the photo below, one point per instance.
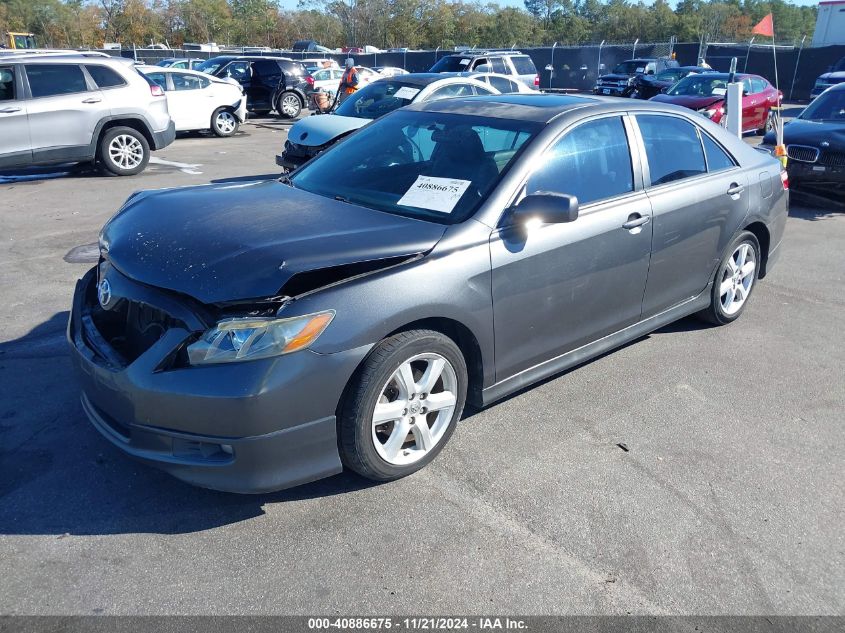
(706, 94)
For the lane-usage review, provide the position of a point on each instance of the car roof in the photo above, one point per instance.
(69, 58)
(539, 108)
(422, 79)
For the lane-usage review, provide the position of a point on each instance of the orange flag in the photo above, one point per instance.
(765, 27)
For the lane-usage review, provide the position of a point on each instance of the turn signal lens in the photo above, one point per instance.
(240, 339)
(536, 81)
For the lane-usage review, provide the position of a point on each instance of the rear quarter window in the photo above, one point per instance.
(523, 65)
(104, 76)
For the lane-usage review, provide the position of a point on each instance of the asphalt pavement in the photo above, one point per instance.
(698, 470)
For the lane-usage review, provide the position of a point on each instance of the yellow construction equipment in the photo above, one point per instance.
(19, 40)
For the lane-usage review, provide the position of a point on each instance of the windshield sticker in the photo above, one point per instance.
(436, 194)
(464, 62)
(406, 93)
(719, 91)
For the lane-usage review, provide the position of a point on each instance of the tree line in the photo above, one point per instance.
(397, 23)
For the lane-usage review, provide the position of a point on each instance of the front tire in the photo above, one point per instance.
(224, 122)
(402, 406)
(124, 151)
(289, 105)
(734, 280)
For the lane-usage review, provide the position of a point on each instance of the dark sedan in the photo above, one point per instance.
(647, 86)
(256, 337)
(815, 146)
(834, 76)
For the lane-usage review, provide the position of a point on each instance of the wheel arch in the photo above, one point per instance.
(761, 232)
(461, 335)
(135, 124)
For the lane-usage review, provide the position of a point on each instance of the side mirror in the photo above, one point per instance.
(547, 207)
(650, 72)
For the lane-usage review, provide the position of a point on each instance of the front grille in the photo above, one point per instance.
(802, 153)
(833, 159)
(130, 328)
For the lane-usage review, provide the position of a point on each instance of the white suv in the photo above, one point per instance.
(62, 109)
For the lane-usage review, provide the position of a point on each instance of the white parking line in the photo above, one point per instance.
(185, 168)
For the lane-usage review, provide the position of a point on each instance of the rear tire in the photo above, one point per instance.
(402, 406)
(124, 151)
(768, 126)
(734, 281)
(224, 122)
(289, 105)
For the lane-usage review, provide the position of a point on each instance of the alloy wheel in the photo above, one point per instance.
(290, 105)
(414, 409)
(737, 279)
(225, 122)
(126, 151)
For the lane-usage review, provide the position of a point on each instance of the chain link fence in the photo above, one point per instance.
(576, 68)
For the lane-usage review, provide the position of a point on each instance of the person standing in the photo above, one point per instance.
(349, 80)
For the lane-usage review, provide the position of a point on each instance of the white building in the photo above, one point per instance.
(830, 25)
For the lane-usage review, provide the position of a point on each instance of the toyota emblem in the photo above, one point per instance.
(104, 292)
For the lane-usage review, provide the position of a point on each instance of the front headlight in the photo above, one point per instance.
(711, 112)
(248, 338)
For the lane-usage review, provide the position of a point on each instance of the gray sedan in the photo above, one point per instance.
(254, 337)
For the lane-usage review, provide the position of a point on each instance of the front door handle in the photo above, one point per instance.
(635, 220)
(9, 110)
(92, 100)
(735, 189)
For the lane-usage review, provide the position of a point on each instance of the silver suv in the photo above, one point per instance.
(62, 109)
(512, 63)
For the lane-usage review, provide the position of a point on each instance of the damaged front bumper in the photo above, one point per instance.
(252, 426)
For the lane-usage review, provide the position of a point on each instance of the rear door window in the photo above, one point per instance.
(50, 80)
(266, 68)
(183, 81)
(498, 65)
(7, 83)
(591, 162)
(104, 76)
(672, 148)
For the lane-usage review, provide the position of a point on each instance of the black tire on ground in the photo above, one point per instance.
(355, 431)
(768, 125)
(715, 312)
(111, 151)
(224, 122)
(289, 105)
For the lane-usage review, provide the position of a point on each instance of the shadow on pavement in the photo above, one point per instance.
(58, 476)
(809, 206)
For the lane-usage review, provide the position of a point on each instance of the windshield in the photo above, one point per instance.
(829, 106)
(452, 64)
(631, 67)
(700, 86)
(425, 165)
(377, 99)
(211, 65)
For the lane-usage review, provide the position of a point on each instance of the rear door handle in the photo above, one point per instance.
(635, 220)
(735, 189)
(9, 110)
(92, 100)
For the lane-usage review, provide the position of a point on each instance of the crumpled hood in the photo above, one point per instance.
(314, 131)
(689, 101)
(800, 132)
(232, 242)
